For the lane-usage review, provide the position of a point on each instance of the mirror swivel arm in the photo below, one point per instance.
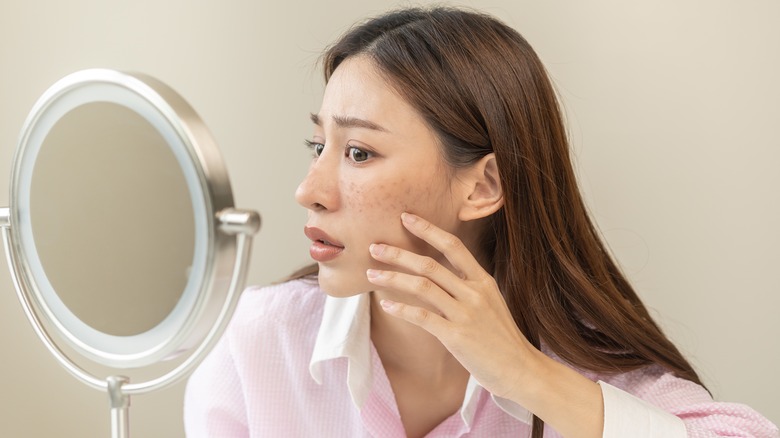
(236, 221)
(5, 217)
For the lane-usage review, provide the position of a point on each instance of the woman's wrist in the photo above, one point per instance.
(569, 402)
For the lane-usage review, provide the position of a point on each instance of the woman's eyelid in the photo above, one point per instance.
(318, 137)
(350, 149)
(361, 146)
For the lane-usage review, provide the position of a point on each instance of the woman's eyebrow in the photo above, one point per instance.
(350, 122)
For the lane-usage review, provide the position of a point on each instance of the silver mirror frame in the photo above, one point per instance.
(209, 192)
(225, 235)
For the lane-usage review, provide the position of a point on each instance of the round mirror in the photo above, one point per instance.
(123, 237)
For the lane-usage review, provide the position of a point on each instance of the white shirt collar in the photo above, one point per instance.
(345, 332)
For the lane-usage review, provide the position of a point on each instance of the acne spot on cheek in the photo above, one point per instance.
(393, 203)
(355, 197)
(388, 198)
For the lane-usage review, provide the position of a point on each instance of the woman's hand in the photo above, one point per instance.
(467, 312)
(469, 316)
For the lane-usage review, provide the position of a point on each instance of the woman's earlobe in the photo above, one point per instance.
(485, 194)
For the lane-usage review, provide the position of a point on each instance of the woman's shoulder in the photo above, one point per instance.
(280, 305)
(652, 383)
(659, 386)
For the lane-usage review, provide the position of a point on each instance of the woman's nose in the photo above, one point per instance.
(319, 189)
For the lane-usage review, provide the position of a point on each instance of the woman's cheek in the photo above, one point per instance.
(377, 209)
(377, 200)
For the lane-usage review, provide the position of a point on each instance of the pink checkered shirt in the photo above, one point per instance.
(296, 363)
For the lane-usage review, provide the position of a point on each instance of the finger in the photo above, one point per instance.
(422, 266)
(449, 245)
(418, 287)
(423, 318)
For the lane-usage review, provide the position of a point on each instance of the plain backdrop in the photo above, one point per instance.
(673, 109)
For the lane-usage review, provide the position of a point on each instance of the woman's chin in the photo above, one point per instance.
(342, 285)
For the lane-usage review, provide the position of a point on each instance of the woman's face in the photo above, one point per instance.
(374, 158)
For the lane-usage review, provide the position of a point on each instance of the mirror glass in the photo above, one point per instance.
(111, 217)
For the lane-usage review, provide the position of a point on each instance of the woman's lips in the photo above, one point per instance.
(323, 252)
(323, 247)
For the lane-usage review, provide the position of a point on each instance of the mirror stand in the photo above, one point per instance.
(242, 224)
(120, 407)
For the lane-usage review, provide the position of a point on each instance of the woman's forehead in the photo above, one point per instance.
(358, 94)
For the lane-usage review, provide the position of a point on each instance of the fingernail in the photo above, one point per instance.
(373, 273)
(375, 249)
(408, 218)
(387, 304)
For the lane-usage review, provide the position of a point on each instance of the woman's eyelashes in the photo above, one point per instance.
(353, 153)
(316, 147)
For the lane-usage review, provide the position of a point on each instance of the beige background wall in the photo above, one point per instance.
(673, 107)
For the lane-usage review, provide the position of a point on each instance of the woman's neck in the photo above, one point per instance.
(428, 383)
(408, 349)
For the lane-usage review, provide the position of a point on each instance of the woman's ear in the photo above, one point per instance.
(484, 195)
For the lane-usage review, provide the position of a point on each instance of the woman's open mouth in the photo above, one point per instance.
(323, 248)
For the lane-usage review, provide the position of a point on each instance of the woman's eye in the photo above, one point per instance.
(317, 148)
(357, 155)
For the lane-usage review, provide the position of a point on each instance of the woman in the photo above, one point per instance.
(466, 291)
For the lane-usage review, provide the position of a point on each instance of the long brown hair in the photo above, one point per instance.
(480, 86)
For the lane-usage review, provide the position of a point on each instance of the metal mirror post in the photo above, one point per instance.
(122, 239)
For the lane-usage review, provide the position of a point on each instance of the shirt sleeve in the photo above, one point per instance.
(652, 403)
(214, 400)
(626, 415)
